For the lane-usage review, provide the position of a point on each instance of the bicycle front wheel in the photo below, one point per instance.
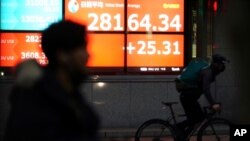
(155, 130)
(216, 129)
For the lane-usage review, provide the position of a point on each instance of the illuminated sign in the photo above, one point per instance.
(124, 35)
(161, 15)
(99, 15)
(16, 47)
(29, 14)
(108, 15)
(155, 51)
(106, 50)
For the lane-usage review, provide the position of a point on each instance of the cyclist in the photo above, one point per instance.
(189, 96)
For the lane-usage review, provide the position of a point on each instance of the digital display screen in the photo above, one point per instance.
(108, 15)
(106, 51)
(16, 47)
(156, 16)
(30, 14)
(99, 15)
(103, 52)
(154, 52)
(129, 36)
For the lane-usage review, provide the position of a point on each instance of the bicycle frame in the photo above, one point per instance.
(197, 127)
(172, 117)
(170, 123)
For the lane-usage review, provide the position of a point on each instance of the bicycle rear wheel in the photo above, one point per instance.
(216, 129)
(155, 130)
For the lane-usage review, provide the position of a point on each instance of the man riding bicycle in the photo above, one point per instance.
(189, 95)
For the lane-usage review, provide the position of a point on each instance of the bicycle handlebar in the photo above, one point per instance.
(210, 110)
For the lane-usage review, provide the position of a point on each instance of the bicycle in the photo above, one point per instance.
(211, 127)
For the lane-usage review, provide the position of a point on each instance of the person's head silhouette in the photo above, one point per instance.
(64, 43)
(218, 63)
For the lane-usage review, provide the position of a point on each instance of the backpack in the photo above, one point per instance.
(189, 76)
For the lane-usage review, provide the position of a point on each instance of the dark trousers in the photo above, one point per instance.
(192, 109)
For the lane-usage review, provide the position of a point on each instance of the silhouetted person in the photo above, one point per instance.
(46, 104)
(189, 96)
